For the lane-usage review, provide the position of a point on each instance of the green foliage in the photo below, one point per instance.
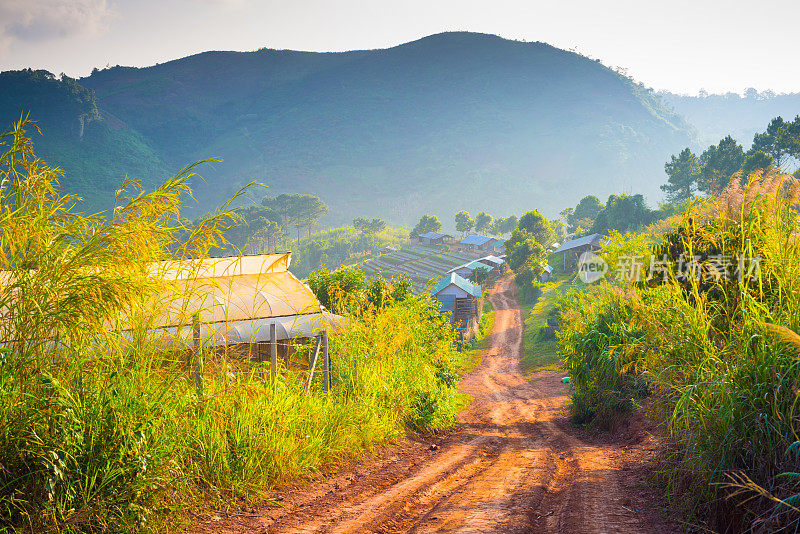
(717, 354)
(584, 213)
(780, 140)
(81, 442)
(757, 161)
(712, 172)
(526, 257)
(559, 230)
(623, 213)
(718, 164)
(428, 223)
(599, 351)
(102, 431)
(369, 227)
(347, 289)
(483, 222)
(464, 222)
(300, 211)
(534, 223)
(330, 248)
(88, 145)
(682, 173)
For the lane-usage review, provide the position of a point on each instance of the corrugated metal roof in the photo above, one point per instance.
(476, 240)
(474, 264)
(458, 281)
(592, 239)
(493, 259)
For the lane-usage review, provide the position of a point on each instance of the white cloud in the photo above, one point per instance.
(42, 20)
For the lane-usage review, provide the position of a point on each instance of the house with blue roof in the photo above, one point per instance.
(571, 250)
(477, 243)
(461, 300)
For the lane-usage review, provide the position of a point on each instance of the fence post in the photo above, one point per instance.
(313, 363)
(273, 351)
(198, 355)
(326, 362)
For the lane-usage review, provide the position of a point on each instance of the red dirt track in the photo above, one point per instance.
(514, 464)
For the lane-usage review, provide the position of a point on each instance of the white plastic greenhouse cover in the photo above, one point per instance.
(236, 299)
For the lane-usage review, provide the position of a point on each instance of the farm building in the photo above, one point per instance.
(387, 250)
(571, 250)
(466, 269)
(434, 238)
(547, 272)
(477, 243)
(462, 300)
(499, 247)
(234, 301)
(493, 262)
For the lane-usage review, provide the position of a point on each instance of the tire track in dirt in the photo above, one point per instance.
(514, 465)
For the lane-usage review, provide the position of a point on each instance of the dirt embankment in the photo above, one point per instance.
(514, 464)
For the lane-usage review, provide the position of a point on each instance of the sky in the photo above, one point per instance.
(677, 45)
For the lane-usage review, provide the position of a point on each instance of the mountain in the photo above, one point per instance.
(449, 122)
(716, 116)
(95, 149)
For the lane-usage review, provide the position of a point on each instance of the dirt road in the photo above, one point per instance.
(513, 465)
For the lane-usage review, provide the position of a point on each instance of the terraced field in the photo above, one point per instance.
(423, 264)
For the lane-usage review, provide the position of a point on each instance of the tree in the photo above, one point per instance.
(361, 224)
(522, 250)
(776, 141)
(369, 227)
(719, 163)
(756, 161)
(559, 230)
(535, 223)
(376, 226)
(682, 172)
(623, 213)
(566, 214)
(268, 236)
(483, 222)
(587, 209)
(300, 211)
(497, 226)
(511, 223)
(428, 223)
(464, 222)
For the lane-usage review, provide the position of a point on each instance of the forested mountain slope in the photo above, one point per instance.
(95, 149)
(452, 121)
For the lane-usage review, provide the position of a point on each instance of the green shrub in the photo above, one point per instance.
(718, 356)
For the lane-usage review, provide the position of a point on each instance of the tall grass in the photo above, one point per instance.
(722, 383)
(101, 431)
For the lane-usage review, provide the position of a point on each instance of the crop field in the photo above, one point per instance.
(423, 264)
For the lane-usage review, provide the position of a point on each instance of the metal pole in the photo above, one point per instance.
(326, 361)
(198, 355)
(273, 351)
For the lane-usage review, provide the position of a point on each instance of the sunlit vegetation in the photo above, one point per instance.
(715, 356)
(104, 432)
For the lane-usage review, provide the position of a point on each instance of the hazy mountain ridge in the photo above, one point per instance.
(716, 116)
(452, 121)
